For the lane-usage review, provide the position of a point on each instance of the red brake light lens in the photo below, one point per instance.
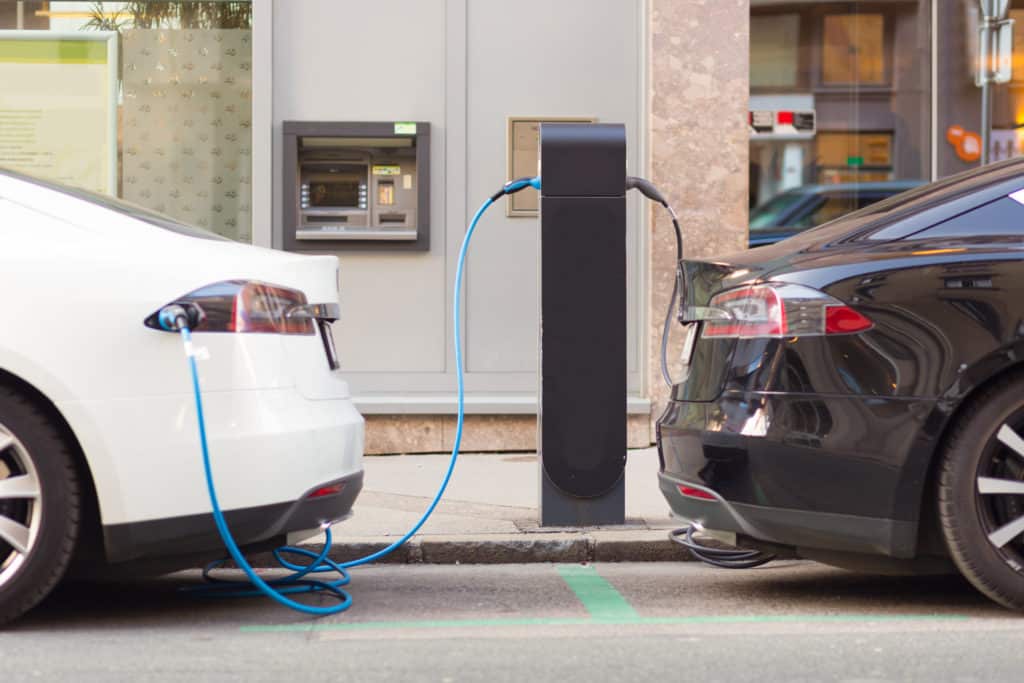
(693, 492)
(845, 320)
(779, 310)
(328, 490)
(248, 306)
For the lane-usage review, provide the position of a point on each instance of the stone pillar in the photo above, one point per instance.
(698, 146)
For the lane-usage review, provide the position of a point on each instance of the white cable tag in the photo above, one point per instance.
(197, 352)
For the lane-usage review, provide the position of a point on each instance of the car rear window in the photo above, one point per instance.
(996, 219)
(120, 206)
(884, 220)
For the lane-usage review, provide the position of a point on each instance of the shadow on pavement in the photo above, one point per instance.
(162, 602)
(810, 587)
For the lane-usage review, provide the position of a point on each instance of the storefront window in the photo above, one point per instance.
(173, 78)
(840, 107)
(853, 49)
(775, 51)
(959, 99)
(841, 103)
(854, 157)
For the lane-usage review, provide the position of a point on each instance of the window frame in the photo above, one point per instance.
(888, 37)
(805, 58)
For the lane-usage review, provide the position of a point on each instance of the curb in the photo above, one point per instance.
(593, 546)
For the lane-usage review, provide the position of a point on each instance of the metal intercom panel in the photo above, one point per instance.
(356, 185)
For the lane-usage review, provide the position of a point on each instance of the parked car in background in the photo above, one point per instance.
(855, 394)
(809, 206)
(100, 466)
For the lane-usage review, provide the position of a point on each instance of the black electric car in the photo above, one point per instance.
(855, 394)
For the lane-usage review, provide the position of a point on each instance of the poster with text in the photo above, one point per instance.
(58, 107)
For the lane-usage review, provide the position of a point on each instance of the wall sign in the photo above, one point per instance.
(966, 144)
(523, 141)
(766, 123)
(58, 106)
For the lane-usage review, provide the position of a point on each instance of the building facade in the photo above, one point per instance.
(728, 106)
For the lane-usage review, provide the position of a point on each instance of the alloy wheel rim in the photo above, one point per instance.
(20, 505)
(1000, 492)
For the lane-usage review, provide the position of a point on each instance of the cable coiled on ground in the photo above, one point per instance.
(725, 558)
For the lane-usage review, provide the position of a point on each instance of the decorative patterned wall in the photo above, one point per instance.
(187, 126)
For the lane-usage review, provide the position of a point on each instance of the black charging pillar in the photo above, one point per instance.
(582, 412)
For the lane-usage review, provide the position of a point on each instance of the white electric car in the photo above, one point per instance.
(100, 462)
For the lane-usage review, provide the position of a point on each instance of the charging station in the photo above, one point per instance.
(582, 383)
(581, 415)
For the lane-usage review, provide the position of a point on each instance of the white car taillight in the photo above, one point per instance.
(780, 310)
(246, 306)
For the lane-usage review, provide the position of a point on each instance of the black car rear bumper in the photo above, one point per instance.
(794, 528)
(838, 473)
(254, 528)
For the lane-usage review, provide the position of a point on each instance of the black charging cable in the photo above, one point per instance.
(647, 189)
(726, 558)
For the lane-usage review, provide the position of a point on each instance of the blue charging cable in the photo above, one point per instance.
(175, 317)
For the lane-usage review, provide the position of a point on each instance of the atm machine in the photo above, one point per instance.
(356, 186)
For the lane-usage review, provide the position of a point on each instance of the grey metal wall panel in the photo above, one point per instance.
(566, 58)
(367, 61)
(464, 66)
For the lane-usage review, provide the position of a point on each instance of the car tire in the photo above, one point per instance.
(40, 504)
(978, 521)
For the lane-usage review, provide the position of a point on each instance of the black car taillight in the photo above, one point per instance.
(779, 310)
(244, 306)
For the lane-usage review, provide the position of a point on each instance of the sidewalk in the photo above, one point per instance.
(489, 514)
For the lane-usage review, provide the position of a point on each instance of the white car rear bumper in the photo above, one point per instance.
(269, 448)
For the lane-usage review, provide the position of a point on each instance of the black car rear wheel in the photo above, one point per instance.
(981, 493)
(39, 505)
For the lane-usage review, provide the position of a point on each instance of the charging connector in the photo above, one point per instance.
(176, 316)
(173, 318)
(513, 186)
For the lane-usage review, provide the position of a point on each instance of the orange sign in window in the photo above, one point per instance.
(966, 143)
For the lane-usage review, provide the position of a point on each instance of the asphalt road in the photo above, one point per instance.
(658, 621)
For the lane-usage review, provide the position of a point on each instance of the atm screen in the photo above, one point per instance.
(336, 193)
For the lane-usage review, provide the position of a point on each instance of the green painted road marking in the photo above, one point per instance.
(613, 621)
(599, 597)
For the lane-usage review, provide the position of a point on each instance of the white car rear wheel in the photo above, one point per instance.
(39, 504)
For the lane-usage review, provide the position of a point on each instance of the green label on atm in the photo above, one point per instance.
(854, 161)
(387, 170)
(405, 128)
